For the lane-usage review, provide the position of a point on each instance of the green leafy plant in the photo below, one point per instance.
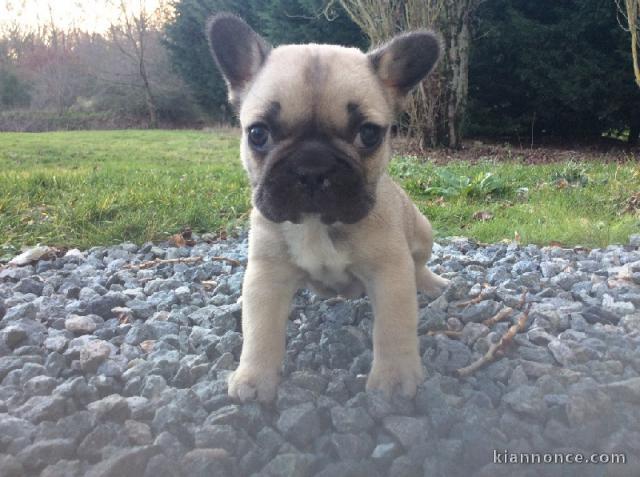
(448, 184)
(572, 173)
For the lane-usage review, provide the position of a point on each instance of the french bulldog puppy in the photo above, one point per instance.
(315, 144)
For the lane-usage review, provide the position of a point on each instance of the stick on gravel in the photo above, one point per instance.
(495, 348)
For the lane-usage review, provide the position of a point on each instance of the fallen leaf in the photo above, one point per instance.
(183, 239)
(483, 215)
(633, 203)
(33, 255)
(209, 284)
(147, 345)
(177, 240)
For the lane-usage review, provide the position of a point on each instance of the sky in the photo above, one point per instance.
(90, 15)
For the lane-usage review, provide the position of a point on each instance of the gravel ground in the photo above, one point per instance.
(113, 369)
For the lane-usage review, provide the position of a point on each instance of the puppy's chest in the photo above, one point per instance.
(314, 250)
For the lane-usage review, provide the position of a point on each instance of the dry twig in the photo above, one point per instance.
(501, 315)
(162, 261)
(486, 291)
(449, 333)
(496, 348)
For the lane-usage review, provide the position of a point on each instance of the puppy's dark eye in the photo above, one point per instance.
(369, 136)
(258, 136)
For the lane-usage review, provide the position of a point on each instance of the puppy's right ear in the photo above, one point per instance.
(238, 51)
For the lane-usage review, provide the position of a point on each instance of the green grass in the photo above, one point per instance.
(89, 188)
(95, 188)
(567, 203)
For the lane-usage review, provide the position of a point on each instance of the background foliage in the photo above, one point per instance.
(538, 70)
(559, 68)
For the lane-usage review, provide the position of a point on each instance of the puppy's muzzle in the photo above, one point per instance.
(313, 178)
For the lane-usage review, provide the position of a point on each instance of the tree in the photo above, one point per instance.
(436, 110)
(130, 35)
(280, 21)
(631, 14)
(548, 69)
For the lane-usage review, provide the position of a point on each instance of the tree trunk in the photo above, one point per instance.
(150, 100)
(446, 128)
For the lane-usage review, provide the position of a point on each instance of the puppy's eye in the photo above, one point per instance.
(369, 136)
(259, 136)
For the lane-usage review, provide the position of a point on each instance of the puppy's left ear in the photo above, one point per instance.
(238, 51)
(406, 60)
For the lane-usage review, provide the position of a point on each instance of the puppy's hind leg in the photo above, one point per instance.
(429, 283)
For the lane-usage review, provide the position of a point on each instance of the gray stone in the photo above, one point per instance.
(627, 390)
(103, 305)
(80, 324)
(407, 430)
(385, 452)
(526, 400)
(42, 408)
(25, 311)
(113, 407)
(56, 343)
(216, 436)
(480, 311)
(230, 342)
(472, 331)
(162, 466)
(138, 333)
(294, 465)
(138, 433)
(300, 424)
(10, 466)
(46, 452)
(93, 354)
(29, 285)
(63, 468)
(123, 462)
(352, 446)
(101, 438)
(561, 352)
(13, 335)
(206, 463)
(347, 419)
(40, 385)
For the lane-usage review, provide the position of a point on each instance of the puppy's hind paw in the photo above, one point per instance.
(248, 384)
(431, 284)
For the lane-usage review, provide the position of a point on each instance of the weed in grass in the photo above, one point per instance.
(572, 173)
(481, 185)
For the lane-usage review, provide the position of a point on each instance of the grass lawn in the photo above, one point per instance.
(101, 187)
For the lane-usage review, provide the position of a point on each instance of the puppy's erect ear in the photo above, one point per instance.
(405, 60)
(238, 50)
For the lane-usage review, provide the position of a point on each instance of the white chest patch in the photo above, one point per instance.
(313, 251)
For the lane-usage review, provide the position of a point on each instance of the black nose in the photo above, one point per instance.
(314, 176)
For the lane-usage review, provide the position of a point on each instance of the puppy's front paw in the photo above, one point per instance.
(248, 383)
(401, 373)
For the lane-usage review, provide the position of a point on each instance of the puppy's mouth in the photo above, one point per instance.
(314, 179)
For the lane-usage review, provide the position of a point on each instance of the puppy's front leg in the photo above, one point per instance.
(267, 292)
(396, 361)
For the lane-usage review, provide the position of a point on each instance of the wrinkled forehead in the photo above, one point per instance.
(328, 86)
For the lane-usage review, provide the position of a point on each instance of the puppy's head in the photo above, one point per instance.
(316, 118)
